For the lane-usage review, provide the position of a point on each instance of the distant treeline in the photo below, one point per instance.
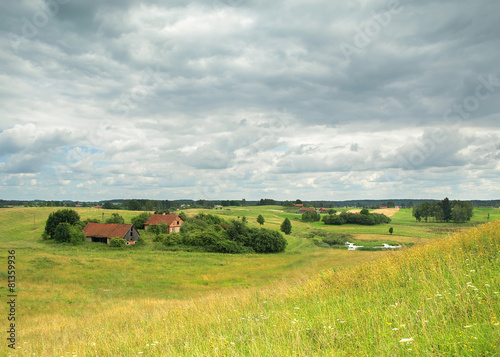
(155, 205)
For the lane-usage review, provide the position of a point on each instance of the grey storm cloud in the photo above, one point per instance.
(279, 92)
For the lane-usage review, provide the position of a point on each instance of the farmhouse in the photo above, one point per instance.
(173, 221)
(103, 232)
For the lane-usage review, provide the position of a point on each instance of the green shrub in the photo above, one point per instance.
(334, 240)
(140, 241)
(161, 228)
(62, 232)
(172, 239)
(117, 242)
(267, 241)
(201, 239)
(159, 238)
(228, 246)
(76, 236)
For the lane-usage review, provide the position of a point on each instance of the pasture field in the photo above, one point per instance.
(93, 300)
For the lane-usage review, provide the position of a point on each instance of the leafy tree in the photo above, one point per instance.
(437, 211)
(311, 216)
(244, 219)
(446, 208)
(260, 219)
(332, 211)
(417, 213)
(133, 205)
(238, 231)
(63, 215)
(109, 205)
(364, 211)
(462, 211)
(286, 226)
(391, 230)
(426, 210)
(115, 218)
(243, 202)
(138, 221)
(391, 204)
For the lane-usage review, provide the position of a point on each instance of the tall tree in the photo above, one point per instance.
(447, 208)
(115, 218)
(286, 226)
(260, 219)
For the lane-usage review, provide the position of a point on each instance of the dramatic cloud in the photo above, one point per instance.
(236, 99)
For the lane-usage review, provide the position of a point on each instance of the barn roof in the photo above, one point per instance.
(168, 219)
(106, 230)
(307, 209)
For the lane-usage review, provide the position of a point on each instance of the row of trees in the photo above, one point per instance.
(444, 211)
(363, 218)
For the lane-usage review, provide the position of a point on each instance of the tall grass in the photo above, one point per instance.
(438, 299)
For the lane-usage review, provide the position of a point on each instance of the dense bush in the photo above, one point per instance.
(311, 216)
(228, 246)
(117, 242)
(62, 232)
(161, 228)
(335, 239)
(66, 233)
(267, 241)
(172, 239)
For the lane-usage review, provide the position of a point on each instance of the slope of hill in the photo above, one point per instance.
(438, 299)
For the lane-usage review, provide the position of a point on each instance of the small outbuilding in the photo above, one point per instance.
(103, 232)
(173, 222)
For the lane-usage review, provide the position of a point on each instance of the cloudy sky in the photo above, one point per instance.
(232, 99)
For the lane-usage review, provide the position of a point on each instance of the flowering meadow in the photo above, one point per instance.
(436, 299)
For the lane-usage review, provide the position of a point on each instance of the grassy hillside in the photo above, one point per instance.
(441, 298)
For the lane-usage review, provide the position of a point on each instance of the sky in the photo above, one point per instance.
(233, 99)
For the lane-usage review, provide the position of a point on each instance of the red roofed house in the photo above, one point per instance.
(103, 232)
(173, 221)
(323, 210)
(298, 205)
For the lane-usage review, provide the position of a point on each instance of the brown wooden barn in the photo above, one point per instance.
(103, 232)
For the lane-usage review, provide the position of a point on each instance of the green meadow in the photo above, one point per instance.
(93, 300)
